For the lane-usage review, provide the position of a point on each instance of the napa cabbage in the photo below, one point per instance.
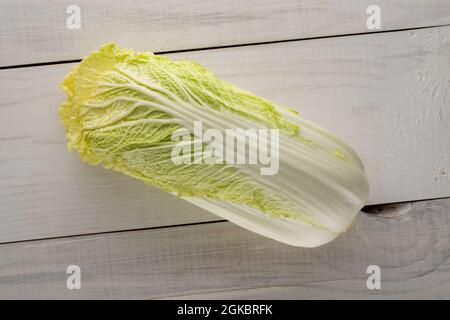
(123, 109)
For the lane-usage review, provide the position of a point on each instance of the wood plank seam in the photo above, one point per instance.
(222, 261)
(41, 32)
(48, 63)
(386, 210)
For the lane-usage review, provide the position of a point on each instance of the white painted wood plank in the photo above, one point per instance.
(221, 260)
(35, 31)
(385, 94)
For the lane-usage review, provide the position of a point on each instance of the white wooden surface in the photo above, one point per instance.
(221, 260)
(35, 31)
(383, 93)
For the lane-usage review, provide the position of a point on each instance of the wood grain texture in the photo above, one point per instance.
(220, 260)
(35, 31)
(386, 94)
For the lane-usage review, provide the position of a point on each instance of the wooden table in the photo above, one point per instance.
(386, 92)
